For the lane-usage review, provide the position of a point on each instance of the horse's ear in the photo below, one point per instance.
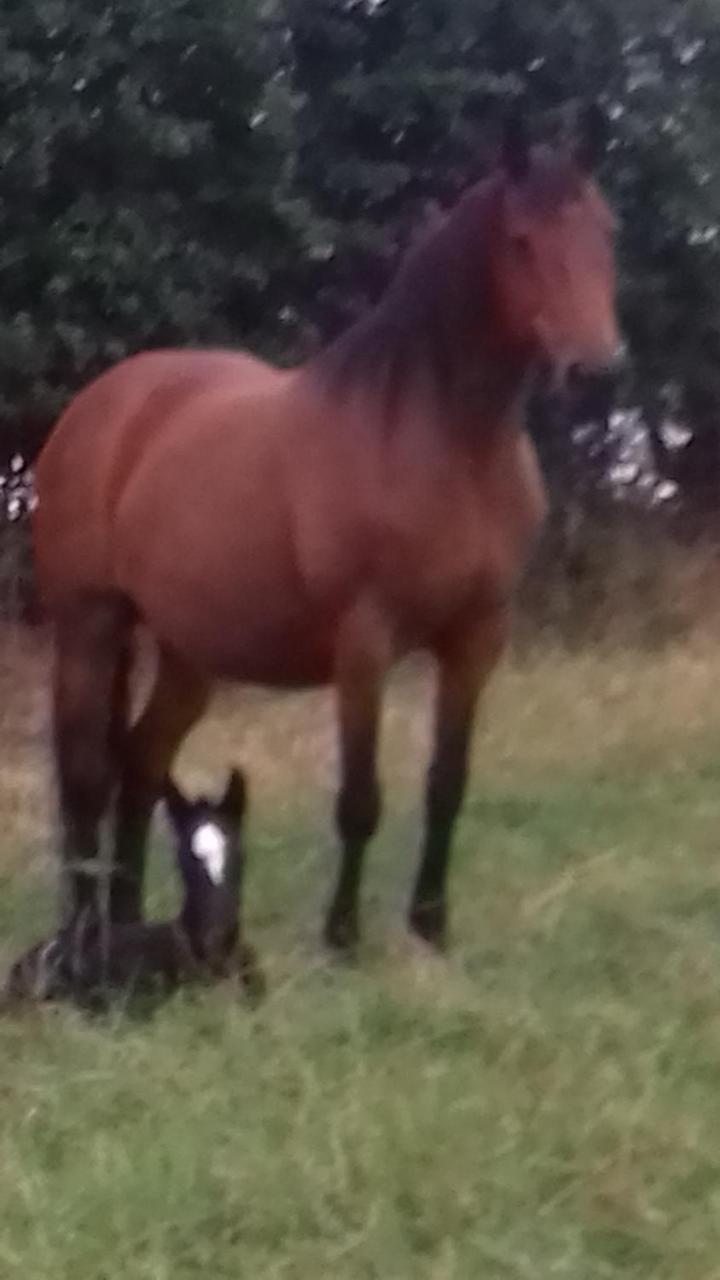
(516, 145)
(179, 808)
(234, 801)
(593, 137)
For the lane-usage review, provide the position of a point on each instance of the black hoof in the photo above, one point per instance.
(430, 923)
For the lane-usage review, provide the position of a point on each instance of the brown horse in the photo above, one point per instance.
(310, 527)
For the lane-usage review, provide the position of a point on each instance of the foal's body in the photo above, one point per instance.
(91, 965)
(305, 527)
(202, 944)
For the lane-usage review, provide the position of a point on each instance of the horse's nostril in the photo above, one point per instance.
(592, 390)
(585, 376)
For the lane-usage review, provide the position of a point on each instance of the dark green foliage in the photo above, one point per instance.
(401, 107)
(400, 112)
(146, 184)
(246, 172)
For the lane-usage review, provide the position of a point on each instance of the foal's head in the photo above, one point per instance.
(552, 264)
(210, 858)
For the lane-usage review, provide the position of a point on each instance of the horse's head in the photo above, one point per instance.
(210, 859)
(553, 263)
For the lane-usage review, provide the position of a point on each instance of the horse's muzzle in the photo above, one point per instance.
(607, 367)
(591, 388)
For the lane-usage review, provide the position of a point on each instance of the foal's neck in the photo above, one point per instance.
(203, 937)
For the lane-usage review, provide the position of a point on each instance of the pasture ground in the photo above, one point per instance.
(544, 1103)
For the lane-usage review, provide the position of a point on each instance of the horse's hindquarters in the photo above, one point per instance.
(100, 444)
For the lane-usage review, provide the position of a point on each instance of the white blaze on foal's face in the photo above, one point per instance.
(209, 845)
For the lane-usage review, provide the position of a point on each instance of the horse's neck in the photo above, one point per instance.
(433, 341)
(392, 380)
(190, 923)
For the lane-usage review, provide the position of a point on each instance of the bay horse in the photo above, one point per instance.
(203, 943)
(310, 527)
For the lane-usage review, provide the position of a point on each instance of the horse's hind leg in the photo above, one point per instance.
(177, 701)
(363, 659)
(92, 639)
(465, 660)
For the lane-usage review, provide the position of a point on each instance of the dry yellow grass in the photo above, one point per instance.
(538, 713)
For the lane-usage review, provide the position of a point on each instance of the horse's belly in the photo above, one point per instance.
(259, 649)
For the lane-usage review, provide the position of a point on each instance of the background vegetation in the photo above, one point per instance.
(246, 172)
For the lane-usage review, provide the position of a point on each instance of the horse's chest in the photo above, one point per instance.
(431, 566)
(460, 542)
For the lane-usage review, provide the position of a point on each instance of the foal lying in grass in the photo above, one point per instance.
(203, 943)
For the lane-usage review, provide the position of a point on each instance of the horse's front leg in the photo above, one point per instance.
(465, 660)
(363, 657)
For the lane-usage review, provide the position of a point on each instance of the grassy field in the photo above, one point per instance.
(543, 1103)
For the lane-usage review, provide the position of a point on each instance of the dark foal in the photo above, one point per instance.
(201, 944)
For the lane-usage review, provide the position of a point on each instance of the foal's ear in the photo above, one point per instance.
(234, 801)
(593, 137)
(516, 146)
(178, 806)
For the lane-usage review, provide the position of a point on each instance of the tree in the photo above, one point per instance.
(401, 100)
(147, 190)
(247, 173)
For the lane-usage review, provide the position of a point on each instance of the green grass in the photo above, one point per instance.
(544, 1103)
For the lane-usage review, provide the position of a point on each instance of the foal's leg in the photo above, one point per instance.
(91, 642)
(177, 701)
(465, 662)
(363, 658)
